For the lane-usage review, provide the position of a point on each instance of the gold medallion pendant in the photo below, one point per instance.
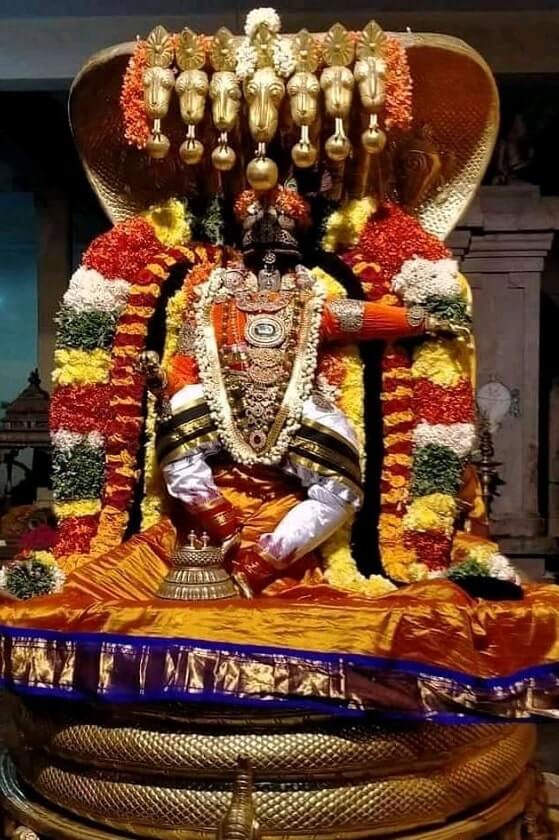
(266, 331)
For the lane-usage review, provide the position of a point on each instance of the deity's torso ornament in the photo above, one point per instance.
(256, 344)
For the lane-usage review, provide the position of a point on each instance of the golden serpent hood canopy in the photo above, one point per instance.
(432, 168)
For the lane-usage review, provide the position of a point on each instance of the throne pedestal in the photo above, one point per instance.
(103, 773)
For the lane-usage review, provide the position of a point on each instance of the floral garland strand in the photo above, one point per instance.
(340, 378)
(134, 114)
(179, 369)
(398, 111)
(428, 405)
(441, 449)
(96, 409)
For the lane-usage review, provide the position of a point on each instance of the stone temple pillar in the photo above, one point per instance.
(502, 244)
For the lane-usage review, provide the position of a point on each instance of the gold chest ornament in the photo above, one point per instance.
(256, 386)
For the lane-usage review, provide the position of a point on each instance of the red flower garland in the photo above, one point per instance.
(82, 409)
(124, 252)
(431, 402)
(398, 85)
(390, 238)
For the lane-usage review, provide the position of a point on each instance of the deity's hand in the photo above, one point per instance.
(148, 364)
(440, 326)
(252, 572)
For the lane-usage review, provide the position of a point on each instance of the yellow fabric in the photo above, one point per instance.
(433, 622)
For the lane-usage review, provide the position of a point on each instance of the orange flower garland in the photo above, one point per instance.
(136, 123)
(287, 201)
(399, 88)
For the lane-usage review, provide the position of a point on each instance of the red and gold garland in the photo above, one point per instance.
(133, 256)
(415, 539)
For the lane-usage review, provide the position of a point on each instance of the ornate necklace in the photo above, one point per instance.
(256, 387)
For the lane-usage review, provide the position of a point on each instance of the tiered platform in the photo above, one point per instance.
(167, 772)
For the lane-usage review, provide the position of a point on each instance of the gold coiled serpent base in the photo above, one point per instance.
(167, 773)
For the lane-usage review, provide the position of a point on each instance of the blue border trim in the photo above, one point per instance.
(349, 659)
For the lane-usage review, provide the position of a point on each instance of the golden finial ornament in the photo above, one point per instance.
(306, 52)
(158, 81)
(370, 73)
(192, 89)
(337, 82)
(225, 94)
(303, 90)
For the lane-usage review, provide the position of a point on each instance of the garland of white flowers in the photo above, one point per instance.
(90, 291)
(298, 390)
(420, 280)
(283, 60)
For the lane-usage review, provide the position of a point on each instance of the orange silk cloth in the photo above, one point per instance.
(433, 623)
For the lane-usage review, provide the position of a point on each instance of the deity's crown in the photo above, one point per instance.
(269, 220)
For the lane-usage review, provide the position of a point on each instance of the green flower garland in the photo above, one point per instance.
(78, 473)
(436, 469)
(452, 309)
(27, 579)
(468, 568)
(85, 330)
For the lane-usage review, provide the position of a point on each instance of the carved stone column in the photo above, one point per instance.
(502, 244)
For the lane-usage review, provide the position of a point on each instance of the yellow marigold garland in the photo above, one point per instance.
(340, 569)
(153, 504)
(170, 221)
(344, 226)
(81, 367)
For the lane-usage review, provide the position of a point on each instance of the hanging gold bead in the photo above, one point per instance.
(262, 173)
(223, 158)
(191, 151)
(158, 146)
(337, 147)
(303, 155)
(374, 140)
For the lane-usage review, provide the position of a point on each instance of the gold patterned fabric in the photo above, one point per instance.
(426, 649)
(321, 450)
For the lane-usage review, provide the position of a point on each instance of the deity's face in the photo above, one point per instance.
(303, 90)
(337, 84)
(370, 75)
(158, 84)
(192, 90)
(264, 93)
(225, 93)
